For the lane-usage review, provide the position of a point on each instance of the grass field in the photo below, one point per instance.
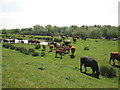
(25, 71)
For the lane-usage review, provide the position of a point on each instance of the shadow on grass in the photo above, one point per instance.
(50, 51)
(117, 66)
(89, 75)
(58, 57)
(72, 56)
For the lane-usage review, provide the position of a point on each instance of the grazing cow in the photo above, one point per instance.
(51, 47)
(84, 38)
(63, 37)
(73, 50)
(22, 41)
(57, 45)
(4, 40)
(59, 51)
(67, 42)
(37, 42)
(67, 48)
(30, 41)
(33, 41)
(113, 56)
(12, 41)
(90, 62)
(74, 40)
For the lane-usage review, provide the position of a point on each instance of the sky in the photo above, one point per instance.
(27, 13)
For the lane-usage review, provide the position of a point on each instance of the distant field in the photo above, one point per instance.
(24, 71)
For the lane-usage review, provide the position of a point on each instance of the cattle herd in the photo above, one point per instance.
(66, 47)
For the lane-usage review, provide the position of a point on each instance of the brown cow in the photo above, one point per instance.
(51, 47)
(33, 41)
(67, 42)
(21, 41)
(67, 48)
(113, 56)
(63, 37)
(12, 41)
(37, 42)
(72, 50)
(59, 51)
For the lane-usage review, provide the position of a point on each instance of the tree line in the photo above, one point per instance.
(94, 31)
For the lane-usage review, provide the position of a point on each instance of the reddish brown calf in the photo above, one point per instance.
(113, 56)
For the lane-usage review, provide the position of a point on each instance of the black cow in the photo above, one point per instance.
(74, 40)
(90, 62)
(5, 40)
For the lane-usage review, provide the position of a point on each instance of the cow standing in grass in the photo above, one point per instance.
(51, 47)
(12, 41)
(90, 62)
(67, 42)
(113, 56)
(72, 50)
(63, 37)
(37, 42)
(74, 40)
(60, 51)
(22, 41)
(34, 42)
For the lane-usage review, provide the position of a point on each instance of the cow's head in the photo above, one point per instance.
(97, 74)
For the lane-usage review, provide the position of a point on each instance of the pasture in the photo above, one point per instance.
(27, 71)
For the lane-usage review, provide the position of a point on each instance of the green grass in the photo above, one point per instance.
(23, 71)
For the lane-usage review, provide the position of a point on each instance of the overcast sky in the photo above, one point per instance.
(26, 13)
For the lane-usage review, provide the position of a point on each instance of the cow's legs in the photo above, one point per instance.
(81, 65)
(114, 62)
(93, 72)
(110, 61)
(61, 56)
(85, 68)
(56, 54)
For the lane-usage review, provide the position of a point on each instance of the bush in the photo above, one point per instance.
(57, 40)
(35, 54)
(31, 50)
(41, 68)
(25, 51)
(6, 45)
(86, 48)
(37, 46)
(107, 71)
(42, 53)
(19, 48)
(12, 47)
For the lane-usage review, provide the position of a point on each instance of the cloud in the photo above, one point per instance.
(26, 13)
